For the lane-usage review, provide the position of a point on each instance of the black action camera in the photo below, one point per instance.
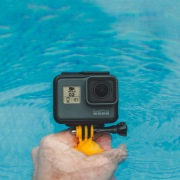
(86, 98)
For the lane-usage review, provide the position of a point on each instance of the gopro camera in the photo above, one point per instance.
(86, 99)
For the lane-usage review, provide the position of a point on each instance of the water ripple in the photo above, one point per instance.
(137, 42)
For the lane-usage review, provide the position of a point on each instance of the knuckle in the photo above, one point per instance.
(46, 141)
(47, 147)
(123, 156)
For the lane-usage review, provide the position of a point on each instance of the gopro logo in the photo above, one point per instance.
(100, 112)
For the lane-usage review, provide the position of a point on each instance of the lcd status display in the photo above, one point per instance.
(72, 94)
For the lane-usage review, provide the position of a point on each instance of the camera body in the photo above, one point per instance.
(85, 98)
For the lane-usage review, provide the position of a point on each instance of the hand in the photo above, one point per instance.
(56, 159)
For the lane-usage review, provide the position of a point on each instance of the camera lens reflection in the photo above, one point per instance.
(101, 90)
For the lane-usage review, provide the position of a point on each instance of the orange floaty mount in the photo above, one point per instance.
(87, 146)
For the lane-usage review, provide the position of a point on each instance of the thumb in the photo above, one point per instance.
(66, 138)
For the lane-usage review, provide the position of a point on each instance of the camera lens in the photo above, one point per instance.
(101, 90)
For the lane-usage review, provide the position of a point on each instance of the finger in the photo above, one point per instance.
(113, 178)
(34, 153)
(116, 155)
(123, 147)
(96, 136)
(104, 140)
(96, 160)
(66, 138)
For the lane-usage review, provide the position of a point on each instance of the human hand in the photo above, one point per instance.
(56, 159)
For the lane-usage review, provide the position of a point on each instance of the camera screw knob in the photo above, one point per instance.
(73, 131)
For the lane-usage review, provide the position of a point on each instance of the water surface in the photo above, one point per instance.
(137, 41)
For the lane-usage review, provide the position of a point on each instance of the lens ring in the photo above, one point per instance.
(101, 89)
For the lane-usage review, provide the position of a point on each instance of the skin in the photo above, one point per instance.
(56, 159)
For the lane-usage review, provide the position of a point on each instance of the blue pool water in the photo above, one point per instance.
(137, 41)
